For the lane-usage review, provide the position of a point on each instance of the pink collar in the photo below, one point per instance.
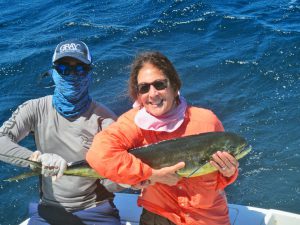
(168, 122)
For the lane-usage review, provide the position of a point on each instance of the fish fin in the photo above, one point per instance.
(205, 169)
(193, 172)
(200, 171)
(23, 176)
(30, 162)
(243, 153)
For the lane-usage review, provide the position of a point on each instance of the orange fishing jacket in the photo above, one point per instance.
(198, 200)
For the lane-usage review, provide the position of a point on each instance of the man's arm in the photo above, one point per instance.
(14, 130)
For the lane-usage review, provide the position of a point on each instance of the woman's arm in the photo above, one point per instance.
(110, 157)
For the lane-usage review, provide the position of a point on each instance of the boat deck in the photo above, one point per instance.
(239, 215)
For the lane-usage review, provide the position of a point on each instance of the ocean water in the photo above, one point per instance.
(237, 58)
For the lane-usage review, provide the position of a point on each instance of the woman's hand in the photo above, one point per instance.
(166, 175)
(225, 163)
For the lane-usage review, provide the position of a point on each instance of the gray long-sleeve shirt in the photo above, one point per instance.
(69, 138)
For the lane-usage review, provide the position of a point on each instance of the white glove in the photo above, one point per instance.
(34, 157)
(52, 164)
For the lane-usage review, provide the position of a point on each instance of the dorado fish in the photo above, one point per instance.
(194, 150)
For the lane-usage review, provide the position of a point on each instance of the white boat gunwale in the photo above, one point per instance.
(239, 214)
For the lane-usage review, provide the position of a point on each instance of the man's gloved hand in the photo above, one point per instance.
(52, 164)
(34, 157)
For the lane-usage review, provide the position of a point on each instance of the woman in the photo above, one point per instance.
(160, 113)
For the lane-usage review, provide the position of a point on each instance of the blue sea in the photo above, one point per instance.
(239, 58)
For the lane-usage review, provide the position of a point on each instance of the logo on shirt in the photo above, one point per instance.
(11, 123)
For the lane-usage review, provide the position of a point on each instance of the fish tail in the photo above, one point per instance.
(30, 162)
(23, 176)
(34, 164)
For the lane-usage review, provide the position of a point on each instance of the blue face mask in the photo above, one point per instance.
(71, 96)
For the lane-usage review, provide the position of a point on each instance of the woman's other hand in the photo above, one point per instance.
(225, 163)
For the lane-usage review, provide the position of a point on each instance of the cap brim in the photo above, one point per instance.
(75, 56)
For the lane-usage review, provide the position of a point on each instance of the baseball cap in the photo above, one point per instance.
(72, 48)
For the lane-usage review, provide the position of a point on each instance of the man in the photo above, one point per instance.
(64, 125)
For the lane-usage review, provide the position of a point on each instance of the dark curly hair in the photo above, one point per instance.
(158, 60)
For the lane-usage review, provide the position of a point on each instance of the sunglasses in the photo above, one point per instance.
(66, 69)
(144, 88)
